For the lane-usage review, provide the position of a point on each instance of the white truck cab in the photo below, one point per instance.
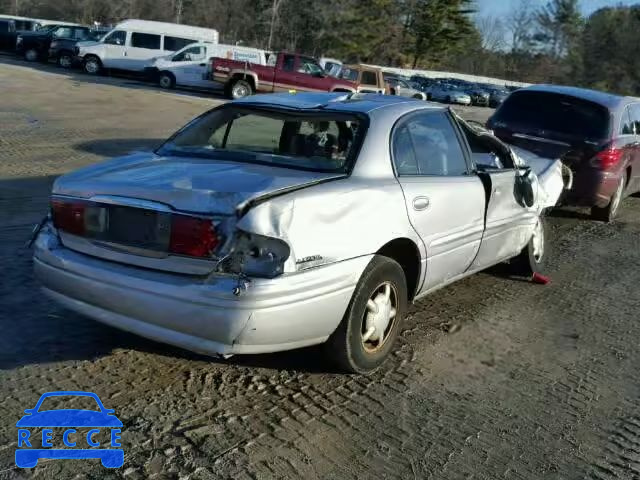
(132, 43)
(189, 66)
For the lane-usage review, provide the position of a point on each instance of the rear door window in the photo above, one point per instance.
(173, 44)
(145, 40)
(552, 113)
(435, 146)
(4, 26)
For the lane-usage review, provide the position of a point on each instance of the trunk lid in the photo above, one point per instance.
(138, 196)
(185, 184)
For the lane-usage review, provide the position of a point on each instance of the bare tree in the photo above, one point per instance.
(493, 32)
(520, 23)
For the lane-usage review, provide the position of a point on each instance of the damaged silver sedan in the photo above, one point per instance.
(282, 221)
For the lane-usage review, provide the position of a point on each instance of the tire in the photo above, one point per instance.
(240, 88)
(31, 55)
(608, 213)
(382, 284)
(533, 257)
(65, 60)
(92, 65)
(167, 80)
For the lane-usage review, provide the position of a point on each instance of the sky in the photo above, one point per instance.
(500, 7)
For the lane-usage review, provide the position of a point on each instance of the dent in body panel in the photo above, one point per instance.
(328, 223)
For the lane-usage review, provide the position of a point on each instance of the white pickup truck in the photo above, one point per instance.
(188, 67)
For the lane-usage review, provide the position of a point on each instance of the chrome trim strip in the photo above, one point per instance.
(540, 139)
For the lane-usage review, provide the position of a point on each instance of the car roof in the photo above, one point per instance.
(607, 100)
(339, 101)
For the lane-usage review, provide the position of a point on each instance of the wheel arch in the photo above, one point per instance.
(250, 77)
(407, 254)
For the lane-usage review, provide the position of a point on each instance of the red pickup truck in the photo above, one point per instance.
(283, 72)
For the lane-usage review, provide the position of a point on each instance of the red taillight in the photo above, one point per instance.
(608, 158)
(193, 236)
(68, 215)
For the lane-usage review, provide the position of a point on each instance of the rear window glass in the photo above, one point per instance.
(320, 142)
(537, 111)
(145, 40)
(173, 44)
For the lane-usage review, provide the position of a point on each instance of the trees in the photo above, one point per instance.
(559, 24)
(437, 26)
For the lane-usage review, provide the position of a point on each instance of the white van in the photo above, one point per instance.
(132, 43)
(188, 67)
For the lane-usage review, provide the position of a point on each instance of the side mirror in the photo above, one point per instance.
(29, 411)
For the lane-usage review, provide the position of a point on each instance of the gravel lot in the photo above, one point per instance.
(534, 382)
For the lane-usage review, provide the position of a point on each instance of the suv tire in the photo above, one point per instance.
(608, 213)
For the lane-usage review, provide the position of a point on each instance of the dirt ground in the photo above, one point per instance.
(535, 382)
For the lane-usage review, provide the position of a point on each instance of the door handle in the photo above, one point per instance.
(203, 65)
(420, 203)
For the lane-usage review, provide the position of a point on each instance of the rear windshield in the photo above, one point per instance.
(315, 141)
(551, 112)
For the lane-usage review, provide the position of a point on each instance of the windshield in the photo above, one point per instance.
(316, 141)
(554, 113)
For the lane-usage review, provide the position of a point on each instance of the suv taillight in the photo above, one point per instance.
(607, 159)
(193, 236)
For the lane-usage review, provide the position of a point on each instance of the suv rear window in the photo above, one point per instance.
(552, 112)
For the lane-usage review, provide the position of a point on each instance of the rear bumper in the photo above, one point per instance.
(591, 188)
(200, 314)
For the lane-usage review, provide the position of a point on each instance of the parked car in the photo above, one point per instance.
(596, 134)
(35, 46)
(190, 66)
(367, 79)
(62, 50)
(331, 66)
(448, 93)
(251, 229)
(479, 95)
(398, 86)
(284, 71)
(497, 96)
(132, 43)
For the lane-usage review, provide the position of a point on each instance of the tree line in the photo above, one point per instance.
(553, 44)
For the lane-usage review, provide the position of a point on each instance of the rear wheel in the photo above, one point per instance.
(368, 331)
(533, 257)
(167, 80)
(92, 65)
(608, 213)
(65, 60)
(239, 89)
(31, 55)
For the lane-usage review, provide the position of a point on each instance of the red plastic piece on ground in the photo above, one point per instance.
(540, 279)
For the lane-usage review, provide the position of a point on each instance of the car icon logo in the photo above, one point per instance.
(72, 423)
